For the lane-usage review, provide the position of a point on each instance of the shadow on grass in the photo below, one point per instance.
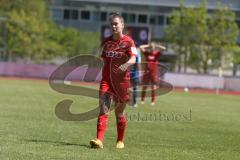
(57, 143)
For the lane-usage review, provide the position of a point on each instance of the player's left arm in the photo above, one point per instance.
(130, 62)
(160, 47)
(132, 59)
(100, 50)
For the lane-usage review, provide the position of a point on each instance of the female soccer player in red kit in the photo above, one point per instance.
(118, 53)
(152, 53)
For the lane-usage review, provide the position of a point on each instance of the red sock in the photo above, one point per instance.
(143, 93)
(101, 126)
(121, 126)
(153, 94)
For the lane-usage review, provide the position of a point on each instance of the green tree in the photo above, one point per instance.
(223, 33)
(187, 29)
(32, 34)
(75, 42)
(200, 38)
(28, 27)
(29, 37)
(235, 59)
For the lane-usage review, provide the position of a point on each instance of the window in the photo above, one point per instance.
(66, 14)
(142, 18)
(56, 14)
(103, 16)
(161, 20)
(74, 14)
(124, 15)
(85, 15)
(70, 14)
(131, 18)
(238, 22)
(153, 19)
(168, 20)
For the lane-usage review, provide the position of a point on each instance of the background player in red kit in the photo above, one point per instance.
(152, 53)
(118, 53)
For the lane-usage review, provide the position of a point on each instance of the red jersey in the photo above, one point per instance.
(114, 54)
(152, 59)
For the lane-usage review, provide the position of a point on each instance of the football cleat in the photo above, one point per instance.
(120, 145)
(96, 143)
(153, 104)
(134, 106)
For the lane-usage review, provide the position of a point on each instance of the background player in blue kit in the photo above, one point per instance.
(135, 77)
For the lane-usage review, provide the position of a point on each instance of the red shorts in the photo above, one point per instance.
(119, 92)
(150, 77)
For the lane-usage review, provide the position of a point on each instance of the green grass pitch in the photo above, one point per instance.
(187, 127)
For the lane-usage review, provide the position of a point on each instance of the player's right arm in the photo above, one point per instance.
(101, 50)
(143, 47)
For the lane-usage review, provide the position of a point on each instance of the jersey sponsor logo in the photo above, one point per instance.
(114, 54)
(151, 57)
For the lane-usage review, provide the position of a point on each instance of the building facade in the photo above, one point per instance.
(90, 15)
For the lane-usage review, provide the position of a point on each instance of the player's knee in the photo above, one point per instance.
(120, 108)
(119, 114)
(103, 109)
(154, 87)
